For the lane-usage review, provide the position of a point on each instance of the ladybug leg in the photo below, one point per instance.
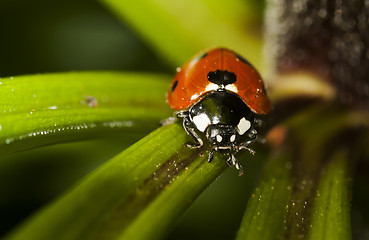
(191, 131)
(229, 161)
(232, 161)
(211, 154)
(181, 114)
(244, 145)
(176, 115)
(253, 133)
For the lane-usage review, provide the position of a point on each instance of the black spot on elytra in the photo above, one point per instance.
(243, 60)
(222, 77)
(174, 85)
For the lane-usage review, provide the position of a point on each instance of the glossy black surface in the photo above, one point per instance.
(224, 110)
(222, 107)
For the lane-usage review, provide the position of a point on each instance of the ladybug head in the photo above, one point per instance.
(222, 136)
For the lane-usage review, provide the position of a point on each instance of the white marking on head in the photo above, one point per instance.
(201, 121)
(219, 138)
(243, 126)
(232, 88)
(211, 87)
(232, 138)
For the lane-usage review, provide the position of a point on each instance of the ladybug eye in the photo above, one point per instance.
(174, 85)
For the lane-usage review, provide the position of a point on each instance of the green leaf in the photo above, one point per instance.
(179, 29)
(266, 209)
(331, 211)
(293, 199)
(48, 108)
(136, 195)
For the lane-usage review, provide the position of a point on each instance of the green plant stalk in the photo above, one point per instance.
(266, 208)
(43, 109)
(330, 217)
(290, 214)
(136, 195)
(174, 200)
(311, 157)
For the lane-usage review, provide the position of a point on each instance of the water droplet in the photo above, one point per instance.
(91, 101)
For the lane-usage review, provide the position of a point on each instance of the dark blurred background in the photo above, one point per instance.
(39, 36)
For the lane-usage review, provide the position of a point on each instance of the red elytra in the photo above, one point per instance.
(191, 81)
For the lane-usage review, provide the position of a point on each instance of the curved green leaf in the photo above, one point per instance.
(266, 209)
(47, 108)
(331, 210)
(283, 205)
(136, 195)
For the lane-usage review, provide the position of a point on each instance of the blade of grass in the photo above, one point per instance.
(136, 195)
(331, 209)
(43, 109)
(178, 29)
(289, 215)
(266, 209)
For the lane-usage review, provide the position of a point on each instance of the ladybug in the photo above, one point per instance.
(219, 94)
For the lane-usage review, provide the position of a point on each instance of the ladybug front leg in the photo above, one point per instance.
(232, 161)
(176, 115)
(211, 155)
(187, 125)
(244, 145)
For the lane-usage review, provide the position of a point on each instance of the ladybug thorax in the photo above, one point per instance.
(222, 117)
